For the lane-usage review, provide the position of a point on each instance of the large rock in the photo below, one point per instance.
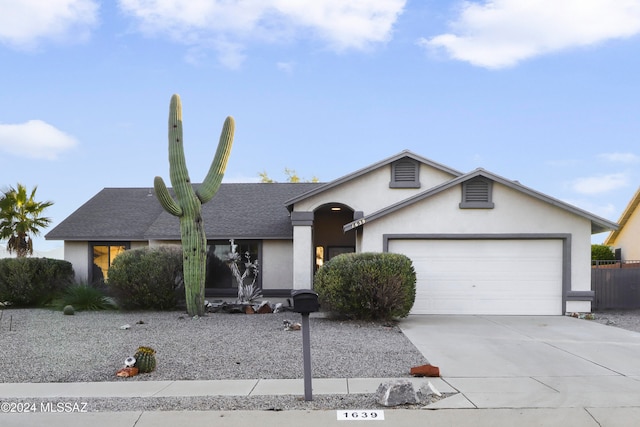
(397, 392)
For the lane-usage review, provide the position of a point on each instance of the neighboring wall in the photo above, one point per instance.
(629, 238)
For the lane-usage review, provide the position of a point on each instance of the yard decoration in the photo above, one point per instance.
(248, 292)
(188, 206)
(127, 372)
(427, 370)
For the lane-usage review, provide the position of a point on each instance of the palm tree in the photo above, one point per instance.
(20, 218)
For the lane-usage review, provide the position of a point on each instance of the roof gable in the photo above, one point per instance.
(360, 172)
(598, 224)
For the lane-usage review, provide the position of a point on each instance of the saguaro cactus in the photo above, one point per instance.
(188, 206)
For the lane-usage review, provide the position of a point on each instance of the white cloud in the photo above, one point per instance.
(620, 157)
(35, 139)
(341, 25)
(286, 67)
(501, 33)
(600, 183)
(24, 23)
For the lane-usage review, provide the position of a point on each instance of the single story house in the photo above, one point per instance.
(627, 237)
(480, 243)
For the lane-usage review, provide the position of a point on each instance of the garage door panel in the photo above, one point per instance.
(485, 276)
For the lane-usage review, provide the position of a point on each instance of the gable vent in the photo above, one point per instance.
(404, 174)
(477, 193)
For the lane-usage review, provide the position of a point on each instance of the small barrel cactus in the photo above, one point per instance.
(69, 310)
(145, 359)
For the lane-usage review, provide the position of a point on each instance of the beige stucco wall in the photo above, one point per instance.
(370, 192)
(629, 238)
(277, 264)
(77, 253)
(514, 213)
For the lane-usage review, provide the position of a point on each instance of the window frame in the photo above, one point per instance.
(108, 244)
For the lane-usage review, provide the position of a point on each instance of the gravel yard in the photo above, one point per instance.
(625, 319)
(91, 346)
(40, 345)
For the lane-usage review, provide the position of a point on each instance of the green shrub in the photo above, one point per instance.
(85, 297)
(146, 278)
(602, 253)
(33, 281)
(377, 286)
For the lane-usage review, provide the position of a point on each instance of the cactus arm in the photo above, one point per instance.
(177, 165)
(213, 179)
(165, 198)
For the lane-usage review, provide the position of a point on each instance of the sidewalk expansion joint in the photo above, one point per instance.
(253, 388)
(163, 389)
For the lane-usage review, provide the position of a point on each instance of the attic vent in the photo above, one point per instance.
(477, 193)
(404, 174)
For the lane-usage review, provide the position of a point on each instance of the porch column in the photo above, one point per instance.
(302, 249)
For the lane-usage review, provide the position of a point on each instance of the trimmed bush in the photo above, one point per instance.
(146, 278)
(371, 286)
(29, 282)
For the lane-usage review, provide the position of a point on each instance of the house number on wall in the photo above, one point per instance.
(360, 415)
(358, 223)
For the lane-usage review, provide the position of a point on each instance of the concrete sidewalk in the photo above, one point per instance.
(502, 371)
(262, 387)
(564, 417)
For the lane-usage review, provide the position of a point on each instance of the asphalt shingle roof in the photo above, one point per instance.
(248, 211)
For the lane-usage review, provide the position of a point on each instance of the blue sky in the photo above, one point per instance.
(543, 92)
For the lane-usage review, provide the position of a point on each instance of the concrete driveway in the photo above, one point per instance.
(530, 361)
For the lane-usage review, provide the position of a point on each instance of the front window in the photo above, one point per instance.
(231, 260)
(103, 256)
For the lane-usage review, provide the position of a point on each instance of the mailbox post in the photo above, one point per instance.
(305, 301)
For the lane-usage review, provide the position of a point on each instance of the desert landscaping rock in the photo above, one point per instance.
(625, 319)
(91, 346)
(397, 392)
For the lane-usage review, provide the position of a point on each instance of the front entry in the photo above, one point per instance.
(329, 239)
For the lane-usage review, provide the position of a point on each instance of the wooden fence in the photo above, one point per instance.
(616, 285)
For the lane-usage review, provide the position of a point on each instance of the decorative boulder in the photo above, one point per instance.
(397, 392)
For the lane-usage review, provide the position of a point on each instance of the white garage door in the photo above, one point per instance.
(485, 276)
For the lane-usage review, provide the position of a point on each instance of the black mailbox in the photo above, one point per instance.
(305, 301)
